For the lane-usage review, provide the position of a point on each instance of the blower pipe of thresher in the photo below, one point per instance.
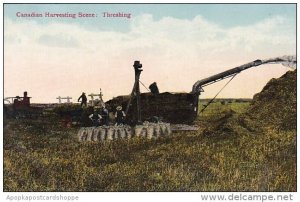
(287, 60)
(197, 87)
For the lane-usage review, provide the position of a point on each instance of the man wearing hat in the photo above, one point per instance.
(96, 117)
(83, 99)
(120, 116)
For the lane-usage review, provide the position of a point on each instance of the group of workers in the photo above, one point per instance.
(100, 116)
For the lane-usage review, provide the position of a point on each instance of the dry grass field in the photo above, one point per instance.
(238, 147)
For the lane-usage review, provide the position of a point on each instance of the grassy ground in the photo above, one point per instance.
(229, 152)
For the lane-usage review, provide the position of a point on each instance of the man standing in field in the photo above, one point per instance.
(96, 117)
(120, 116)
(105, 115)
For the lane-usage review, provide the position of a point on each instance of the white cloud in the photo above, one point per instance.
(65, 59)
(58, 40)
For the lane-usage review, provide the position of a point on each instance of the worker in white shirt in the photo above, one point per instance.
(120, 116)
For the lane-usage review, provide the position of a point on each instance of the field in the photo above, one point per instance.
(239, 146)
(228, 153)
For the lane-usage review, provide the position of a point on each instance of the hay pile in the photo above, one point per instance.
(276, 104)
(275, 107)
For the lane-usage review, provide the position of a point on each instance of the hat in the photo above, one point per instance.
(119, 107)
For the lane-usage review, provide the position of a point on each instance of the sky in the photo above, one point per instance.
(177, 44)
